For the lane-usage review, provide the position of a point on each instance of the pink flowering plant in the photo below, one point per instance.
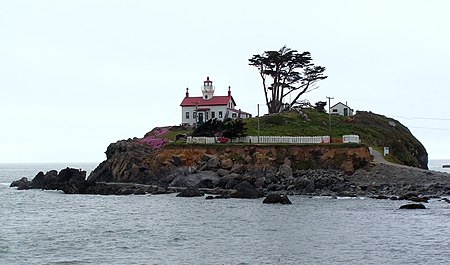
(152, 139)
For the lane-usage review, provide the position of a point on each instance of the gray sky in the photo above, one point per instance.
(78, 75)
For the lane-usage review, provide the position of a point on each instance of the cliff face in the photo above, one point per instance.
(381, 131)
(129, 161)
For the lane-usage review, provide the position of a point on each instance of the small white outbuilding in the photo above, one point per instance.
(341, 109)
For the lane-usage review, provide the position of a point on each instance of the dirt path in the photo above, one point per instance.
(378, 158)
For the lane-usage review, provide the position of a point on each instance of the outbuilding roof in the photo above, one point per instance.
(340, 103)
(239, 111)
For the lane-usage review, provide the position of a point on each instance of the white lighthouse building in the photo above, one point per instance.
(201, 109)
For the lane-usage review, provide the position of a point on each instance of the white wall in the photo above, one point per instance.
(191, 109)
(339, 109)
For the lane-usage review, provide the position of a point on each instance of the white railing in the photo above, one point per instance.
(351, 139)
(201, 140)
(264, 139)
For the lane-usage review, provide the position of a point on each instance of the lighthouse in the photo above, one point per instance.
(197, 110)
(208, 89)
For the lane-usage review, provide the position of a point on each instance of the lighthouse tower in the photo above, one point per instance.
(208, 89)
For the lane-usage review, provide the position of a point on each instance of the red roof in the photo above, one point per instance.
(199, 101)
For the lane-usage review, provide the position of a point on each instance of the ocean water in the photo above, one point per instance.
(50, 227)
(436, 164)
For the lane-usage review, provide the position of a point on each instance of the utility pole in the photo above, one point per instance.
(258, 123)
(196, 114)
(329, 116)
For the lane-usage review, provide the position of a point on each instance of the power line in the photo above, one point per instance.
(429, 128)
(423, 118)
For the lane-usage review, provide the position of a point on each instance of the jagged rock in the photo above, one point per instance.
(246, 191)
(229, 181)
(212, 162)
(121, 156)
(179, 172)
(277, 198)
(159, 190)
(194, 179)
(413, 206)
(140, 191)
(227, 163)
(287, 161)
(304, 185)
(190, 192)
(248, 159)
(408, 196)
(222, 172)
(177, 160)
(210, 197)
(419, 199)
(206, 183)
(21, 184)
(71, 175)
(125, 191)
(207, 157)
(273, 187)
(54, 181)
(41, 180)
(339, 187)
(260, 182)
(237, 168)
(249, 178)
(285, 172)
(380, 197)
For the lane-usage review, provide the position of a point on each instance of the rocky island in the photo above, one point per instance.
(136, 166)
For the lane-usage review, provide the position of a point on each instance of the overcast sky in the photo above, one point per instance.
(78, 75)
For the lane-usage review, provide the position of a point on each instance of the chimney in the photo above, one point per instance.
(187, 92)
(229, 90)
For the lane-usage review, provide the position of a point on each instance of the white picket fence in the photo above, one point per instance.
(264, 140)
(351, 139)
(201, 140)
(274, 139)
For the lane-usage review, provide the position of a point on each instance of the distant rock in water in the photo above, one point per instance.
(277, 198)
(54, 181)
(413, 206)
(190, 192)
(21, 184)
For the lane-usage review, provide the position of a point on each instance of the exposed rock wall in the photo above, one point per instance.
(129, 161)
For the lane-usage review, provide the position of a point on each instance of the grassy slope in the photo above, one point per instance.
(373, 129)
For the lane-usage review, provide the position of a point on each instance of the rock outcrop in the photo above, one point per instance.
(244, 171)
(277, 198)
(245, 190)
(21, 184)
(72, 181)
(413, 206)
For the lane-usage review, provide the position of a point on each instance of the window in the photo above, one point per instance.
(194, 115)
(334, 110)
(220, 114)
(187, 115)
(234, 115)
(206, 96)
(213, 114)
